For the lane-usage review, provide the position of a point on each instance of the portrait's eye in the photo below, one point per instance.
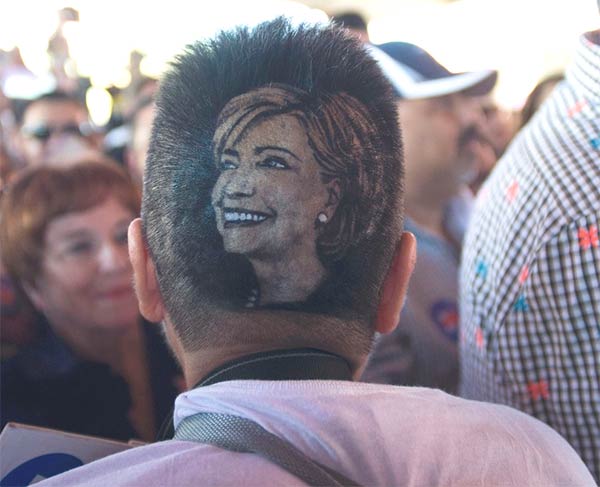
(227, 164)
(273, 162)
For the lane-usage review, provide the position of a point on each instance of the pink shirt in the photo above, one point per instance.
(373, 434)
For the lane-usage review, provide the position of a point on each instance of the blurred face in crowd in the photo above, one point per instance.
(442, 136)
(86, 274)
(499, 124)
(54, 132)
(498, 127)
(140, 139)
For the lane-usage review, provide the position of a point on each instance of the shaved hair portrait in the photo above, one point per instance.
(281, 228)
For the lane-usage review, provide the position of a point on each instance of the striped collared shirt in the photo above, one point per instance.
(530, 275)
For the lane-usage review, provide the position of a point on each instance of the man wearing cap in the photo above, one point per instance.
(281, 144)
(442, 126)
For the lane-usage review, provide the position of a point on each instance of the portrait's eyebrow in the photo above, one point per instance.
(231, 152)
(263, 148)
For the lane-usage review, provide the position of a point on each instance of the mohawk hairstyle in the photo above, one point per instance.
(194, 272)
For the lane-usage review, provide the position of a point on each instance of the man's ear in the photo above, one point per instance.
(144, 275)
(395, 284)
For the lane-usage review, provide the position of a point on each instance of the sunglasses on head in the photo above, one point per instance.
(43, 132)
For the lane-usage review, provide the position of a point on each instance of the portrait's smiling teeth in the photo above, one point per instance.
(235, 216)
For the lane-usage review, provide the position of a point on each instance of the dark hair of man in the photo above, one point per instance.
(195, 274)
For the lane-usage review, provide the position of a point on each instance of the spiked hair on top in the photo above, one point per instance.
(327, 77)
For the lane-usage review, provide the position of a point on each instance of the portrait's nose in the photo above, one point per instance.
(240, 185)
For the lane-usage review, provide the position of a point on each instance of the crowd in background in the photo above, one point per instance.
(70, 327)
(76, 355)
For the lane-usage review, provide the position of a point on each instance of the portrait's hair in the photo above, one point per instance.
(39, 195)
(324, 78)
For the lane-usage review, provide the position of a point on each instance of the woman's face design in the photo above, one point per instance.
(269, 192)
(86, 277)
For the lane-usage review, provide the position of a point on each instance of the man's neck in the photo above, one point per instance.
(288, 364)
(197, 366)
(199, 363)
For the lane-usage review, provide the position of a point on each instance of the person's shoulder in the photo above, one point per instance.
(506, 445)
(174, 462)
(556, 154)
(515, 440)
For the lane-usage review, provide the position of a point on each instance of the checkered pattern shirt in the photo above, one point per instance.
(530, 273)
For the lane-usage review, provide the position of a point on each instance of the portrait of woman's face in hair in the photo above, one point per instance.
(291, 175)
(271, 200)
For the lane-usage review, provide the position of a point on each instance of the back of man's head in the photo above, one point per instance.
(273, 187)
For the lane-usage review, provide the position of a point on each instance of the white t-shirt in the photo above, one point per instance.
(372, 434)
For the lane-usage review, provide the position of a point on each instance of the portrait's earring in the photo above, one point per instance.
(322, 218)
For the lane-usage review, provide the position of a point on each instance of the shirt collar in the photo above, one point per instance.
(584, 72)
(295, 364)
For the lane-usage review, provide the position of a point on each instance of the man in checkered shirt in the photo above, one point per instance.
(530, 276)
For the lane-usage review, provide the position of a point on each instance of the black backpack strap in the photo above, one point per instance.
(243, 435)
